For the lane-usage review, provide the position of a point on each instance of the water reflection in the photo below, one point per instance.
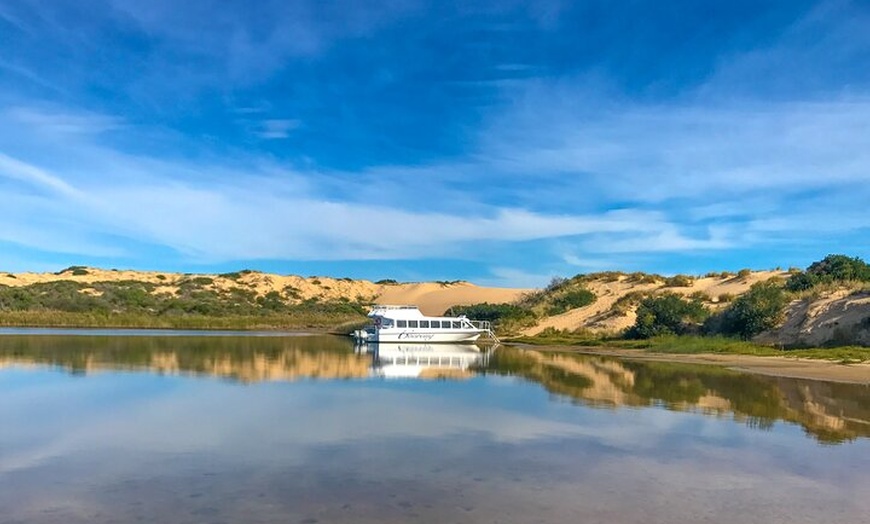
(129, 429)
(426, 361)
(238, 357)
(829, 412)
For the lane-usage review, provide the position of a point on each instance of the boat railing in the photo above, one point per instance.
(485, 326)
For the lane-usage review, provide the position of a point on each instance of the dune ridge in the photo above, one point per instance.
(839, 316)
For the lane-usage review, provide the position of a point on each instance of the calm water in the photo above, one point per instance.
(225, 429)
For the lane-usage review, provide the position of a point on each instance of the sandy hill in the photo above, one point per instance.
(831, 316)
(834, 316)
(432, 297)
(617, 296)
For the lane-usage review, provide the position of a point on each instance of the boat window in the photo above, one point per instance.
(457, 324)
(401, 323)
(424, 323)
(412, 323)
(436, 324)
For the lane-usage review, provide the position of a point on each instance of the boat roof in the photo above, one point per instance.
(402, 312)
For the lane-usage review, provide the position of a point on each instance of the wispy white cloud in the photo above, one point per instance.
(56, 121)
(14, 169)
(277, 128)
(676, 151)
(247, 45)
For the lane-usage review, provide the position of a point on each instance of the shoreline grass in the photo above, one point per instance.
(64, 319)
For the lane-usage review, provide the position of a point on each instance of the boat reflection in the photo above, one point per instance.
(426, 361)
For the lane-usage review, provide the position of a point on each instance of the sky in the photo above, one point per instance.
(501, 142)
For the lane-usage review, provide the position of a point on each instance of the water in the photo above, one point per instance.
(202, 429)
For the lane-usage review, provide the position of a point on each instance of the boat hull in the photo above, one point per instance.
(429, 337)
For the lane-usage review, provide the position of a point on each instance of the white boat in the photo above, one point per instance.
(409, 324)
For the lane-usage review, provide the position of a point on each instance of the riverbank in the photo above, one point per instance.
(778, 366)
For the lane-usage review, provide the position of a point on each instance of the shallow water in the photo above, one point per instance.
(105, 428)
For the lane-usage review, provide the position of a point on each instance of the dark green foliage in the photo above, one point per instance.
(197, 281)
(801, 282)
(832, 268)
(556, 283)
(759, 309)
(293, 292)
(63, 295)
(235, 275)
(679, 281)
(644, 278)
(386, 282)
(744, 273)
(75, 270)
(570, 300)
(560, 295)
(271, 301)
(499, 314)
(626, 302)
(841, 267)
(665, 315)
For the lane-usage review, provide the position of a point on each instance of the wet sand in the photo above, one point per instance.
(774, 366)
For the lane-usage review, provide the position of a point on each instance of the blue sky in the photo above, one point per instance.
(501, 142)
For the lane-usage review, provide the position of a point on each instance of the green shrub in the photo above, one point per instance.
(801, 282)
(679, 281)
(744, 273)
(667, 314)
(556, 283)
(700, 296)
(502, 316)
(759, 309)
(841, 267)
(571, 300)
(831, 269)
(75, 270)
(386, 282)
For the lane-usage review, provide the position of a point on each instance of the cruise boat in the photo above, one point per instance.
(409, 324)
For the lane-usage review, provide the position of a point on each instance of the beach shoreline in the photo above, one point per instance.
(776, 366)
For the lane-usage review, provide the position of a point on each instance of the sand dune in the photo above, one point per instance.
(839, 317)
(600, 316)
(433, 298)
